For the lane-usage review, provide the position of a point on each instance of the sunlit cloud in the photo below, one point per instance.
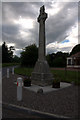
(67, 44)
(17, 52)
(25, 23)
(10, 44)
(53, 11)
(55, 47)
(23, 33)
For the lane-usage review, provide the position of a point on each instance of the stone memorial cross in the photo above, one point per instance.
(41, 74)
(41, 19)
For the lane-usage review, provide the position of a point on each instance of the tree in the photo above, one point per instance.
(57, 59)
(75, 49)
(58, 62)
(10, 52)
(50, 58)
(29, 55)
(16, 59)
(7, 53)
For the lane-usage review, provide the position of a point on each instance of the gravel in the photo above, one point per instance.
(62, 102)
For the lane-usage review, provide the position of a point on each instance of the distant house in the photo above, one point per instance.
(74, 61)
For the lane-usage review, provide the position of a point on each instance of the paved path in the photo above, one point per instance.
(16, 113)
(62, 102)
(47, 89)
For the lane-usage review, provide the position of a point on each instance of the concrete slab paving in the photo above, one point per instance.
(47, 89)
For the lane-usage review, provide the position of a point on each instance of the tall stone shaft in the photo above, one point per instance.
(41, 74)
(41, 19)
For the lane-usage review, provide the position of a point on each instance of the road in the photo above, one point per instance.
(10, 111)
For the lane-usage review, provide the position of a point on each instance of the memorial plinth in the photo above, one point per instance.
(41, 74)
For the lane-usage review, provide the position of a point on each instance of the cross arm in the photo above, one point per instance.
(42, 16)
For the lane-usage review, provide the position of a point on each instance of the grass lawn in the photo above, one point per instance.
(67, 76)
(23, 71)
(9, 64)
(61, 75)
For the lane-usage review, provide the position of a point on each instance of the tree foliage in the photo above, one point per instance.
(7, 53)
(29, 55)
(16, 59)
(57, 59)
(75, 49)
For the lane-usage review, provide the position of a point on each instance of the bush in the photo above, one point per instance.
(59, 62)
(27, 81)
(56, 82)
(29, 56)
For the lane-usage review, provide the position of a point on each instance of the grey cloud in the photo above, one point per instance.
(59, 24)
(24, 9)
(33, 38)
(10, 29)
(18, 9)
(56, 25)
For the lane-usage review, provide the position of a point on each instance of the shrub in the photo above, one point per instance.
(56, 82)
(27, 81)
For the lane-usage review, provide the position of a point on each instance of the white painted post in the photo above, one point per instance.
(13, 71)
(19, 88)
(7, 72)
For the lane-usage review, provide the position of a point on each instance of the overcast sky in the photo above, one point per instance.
(20, 27)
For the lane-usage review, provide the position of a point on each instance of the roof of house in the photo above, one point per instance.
(76, 55)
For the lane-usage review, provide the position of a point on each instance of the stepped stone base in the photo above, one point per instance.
(41, 74)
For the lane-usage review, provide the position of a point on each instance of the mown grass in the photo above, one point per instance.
(67, 76)
(60, 75)
(9, 64)
(23, 71)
